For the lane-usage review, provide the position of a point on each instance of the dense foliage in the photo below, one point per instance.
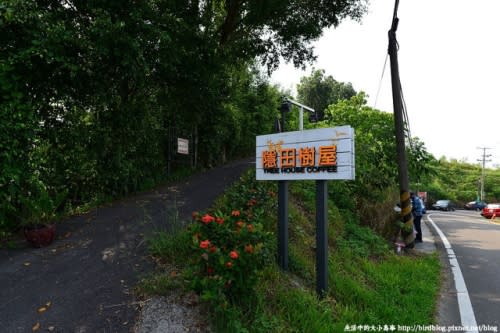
(229, 248)
(460, 181)
(376, 168)
(368, 282)
(319, 91)
(94, 94)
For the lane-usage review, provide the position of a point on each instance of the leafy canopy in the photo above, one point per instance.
(319, 91)
(93, 94)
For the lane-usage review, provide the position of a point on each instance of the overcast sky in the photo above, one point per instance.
(449, 59)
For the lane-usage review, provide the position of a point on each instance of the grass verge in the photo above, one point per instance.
(369, 285)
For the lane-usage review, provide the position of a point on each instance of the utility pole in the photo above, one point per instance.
(483, 160)
(397, 100)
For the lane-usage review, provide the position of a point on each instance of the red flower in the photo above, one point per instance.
(249, 248)
(250, 228)
(240, 224)
(233, 255)
(205, 244)
(207, 219)
(219, 220)
(251, 202)
(210, 270)
(235, 213)
(212, 249)
(229, 264)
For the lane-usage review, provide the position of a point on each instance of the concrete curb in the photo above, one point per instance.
(429, 243)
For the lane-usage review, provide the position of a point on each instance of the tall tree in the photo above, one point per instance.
(320, 91)
(90, 90)
(376, 156)
(273, 29)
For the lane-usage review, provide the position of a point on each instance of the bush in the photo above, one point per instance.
(228, 252)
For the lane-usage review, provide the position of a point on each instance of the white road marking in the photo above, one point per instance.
(464, 304)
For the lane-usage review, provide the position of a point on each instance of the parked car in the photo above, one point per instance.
(475, 205)
(445, 205)
(490, 210)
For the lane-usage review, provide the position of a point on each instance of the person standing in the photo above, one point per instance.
(416, 210)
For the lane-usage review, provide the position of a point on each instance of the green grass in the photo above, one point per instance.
(171, 247)
(368, 283)
(159, 284)
(397, 289)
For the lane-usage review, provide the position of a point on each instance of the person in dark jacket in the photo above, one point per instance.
(417, 209)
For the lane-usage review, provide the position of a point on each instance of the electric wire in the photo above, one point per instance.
(406, 118)
(380, 82)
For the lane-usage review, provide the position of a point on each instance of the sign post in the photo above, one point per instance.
(283, 201)
(321, 237)
(320, 154)
(283, 224)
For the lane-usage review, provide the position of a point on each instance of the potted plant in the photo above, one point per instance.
(38, 216)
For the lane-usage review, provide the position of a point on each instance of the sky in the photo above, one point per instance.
(449, 63)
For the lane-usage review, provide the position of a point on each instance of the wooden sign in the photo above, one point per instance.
(183, 146)
(320, 154)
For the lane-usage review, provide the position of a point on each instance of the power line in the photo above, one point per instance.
(380, 82)
(406, 119)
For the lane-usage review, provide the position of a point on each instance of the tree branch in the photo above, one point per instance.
(229, 25)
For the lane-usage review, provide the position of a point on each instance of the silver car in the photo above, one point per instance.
(445, 205)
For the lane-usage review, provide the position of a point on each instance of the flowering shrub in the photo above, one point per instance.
(228, 250)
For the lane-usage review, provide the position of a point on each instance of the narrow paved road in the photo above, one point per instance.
(476, 244)
(84, 281)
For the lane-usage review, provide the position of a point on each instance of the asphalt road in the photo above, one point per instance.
(84, 281)
(475, 242)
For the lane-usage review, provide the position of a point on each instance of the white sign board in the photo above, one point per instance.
(182, 146)
(319, 154)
